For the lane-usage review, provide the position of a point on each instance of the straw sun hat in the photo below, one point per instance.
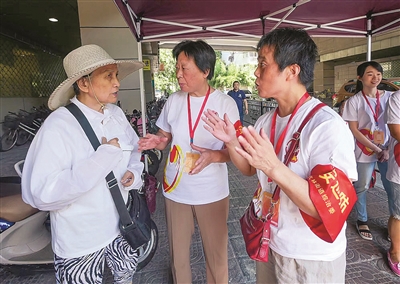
(83, 61)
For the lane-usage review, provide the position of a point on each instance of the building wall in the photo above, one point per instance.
(339, 58)
(339, 48)
(346, 72)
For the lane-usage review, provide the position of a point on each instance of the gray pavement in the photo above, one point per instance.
(366, 260)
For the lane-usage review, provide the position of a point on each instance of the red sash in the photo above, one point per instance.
(333, 195)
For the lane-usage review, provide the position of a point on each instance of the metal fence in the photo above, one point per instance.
(258, 108)
(27, 70)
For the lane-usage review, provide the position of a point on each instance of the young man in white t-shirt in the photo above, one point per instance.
(393, 175)
(302, 247)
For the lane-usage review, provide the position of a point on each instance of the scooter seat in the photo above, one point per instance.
(14, 209)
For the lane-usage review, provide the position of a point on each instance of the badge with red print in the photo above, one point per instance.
(366, 151)
(238, 127)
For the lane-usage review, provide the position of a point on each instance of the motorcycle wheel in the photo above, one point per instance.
(8, 139)
(22, 137)
(147, 251)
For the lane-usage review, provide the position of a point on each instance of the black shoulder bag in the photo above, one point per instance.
(135, 220)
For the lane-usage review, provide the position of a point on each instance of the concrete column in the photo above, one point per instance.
(101, 23)
(324, 77)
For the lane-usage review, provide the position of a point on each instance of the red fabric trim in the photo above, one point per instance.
(333, 195)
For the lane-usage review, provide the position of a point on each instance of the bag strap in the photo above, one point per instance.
(112, 182)
(293, 146)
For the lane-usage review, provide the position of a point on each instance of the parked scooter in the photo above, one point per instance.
(25, 235)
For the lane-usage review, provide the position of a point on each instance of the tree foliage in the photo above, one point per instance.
(165, 81)
(224, 75)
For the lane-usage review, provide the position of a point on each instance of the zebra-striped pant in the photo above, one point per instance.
(88, 269)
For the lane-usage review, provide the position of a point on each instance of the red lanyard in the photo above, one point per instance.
(193, 129)
(283, 134)
(377, 107)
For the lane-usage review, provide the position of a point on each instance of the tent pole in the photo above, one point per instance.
(369, 37)
(142, 99)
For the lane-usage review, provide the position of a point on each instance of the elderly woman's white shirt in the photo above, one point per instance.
(64, 175)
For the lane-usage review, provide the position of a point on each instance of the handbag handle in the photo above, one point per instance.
(112, 182)
(292, 148)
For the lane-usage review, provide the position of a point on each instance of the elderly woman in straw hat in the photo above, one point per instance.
(63, 174)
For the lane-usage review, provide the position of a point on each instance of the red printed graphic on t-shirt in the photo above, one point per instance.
(396, 151)
(175, 158)
(366, 151)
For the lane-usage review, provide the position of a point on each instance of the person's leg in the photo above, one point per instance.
(180, 224)
(212, 220)
(265, 271)
(394, 230)
(241, 115)
(361, 186)
(85, 269)
(386, 184)
(280, 269)
(122, 260)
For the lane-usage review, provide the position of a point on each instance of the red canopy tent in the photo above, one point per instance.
(158, 20)
(152, 20)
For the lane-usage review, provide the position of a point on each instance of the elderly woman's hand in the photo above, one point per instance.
(113, 142)
(150, 141)
(258, 151)
(127, 179)
(222, 129)
(205, 159)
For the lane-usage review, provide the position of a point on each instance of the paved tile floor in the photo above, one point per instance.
(366, 261)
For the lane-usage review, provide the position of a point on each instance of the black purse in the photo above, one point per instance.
(135, 220)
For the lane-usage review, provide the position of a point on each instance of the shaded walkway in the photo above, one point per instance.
(366, 260)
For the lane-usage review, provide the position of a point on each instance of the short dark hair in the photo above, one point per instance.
(234, 82)
(202, 53)
(361, 70)
(292, 46)
(76, 88)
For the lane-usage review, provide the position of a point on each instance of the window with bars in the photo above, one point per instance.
(27, 70)
(391, 69)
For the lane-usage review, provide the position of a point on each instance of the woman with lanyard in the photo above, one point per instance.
(195, 183)
(364, 113)
(304, 247)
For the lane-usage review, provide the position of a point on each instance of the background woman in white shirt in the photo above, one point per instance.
(364, 113)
